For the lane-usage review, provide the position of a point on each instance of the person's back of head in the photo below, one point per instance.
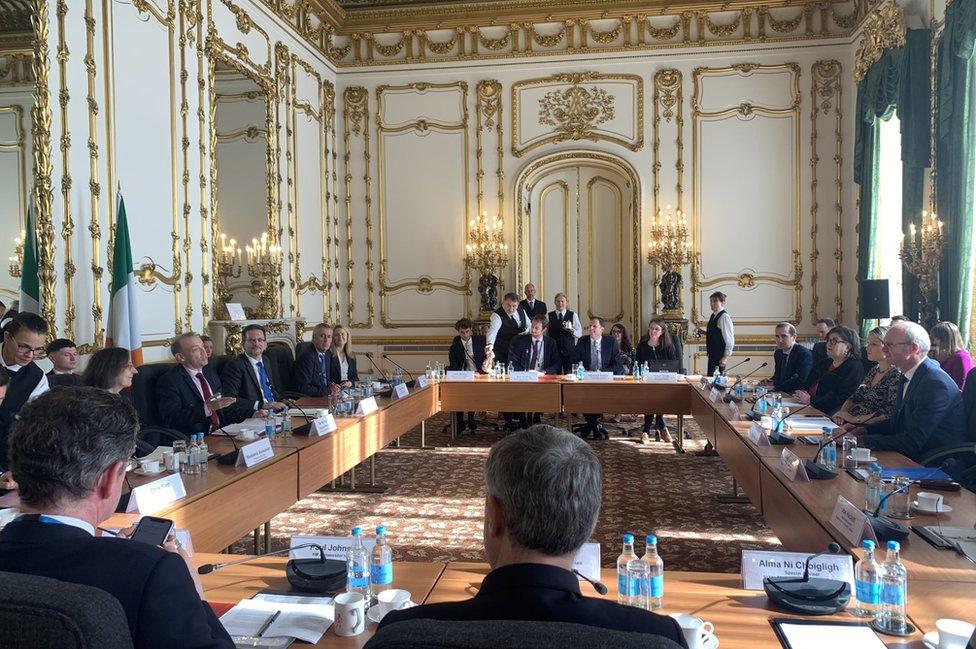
(548, 485)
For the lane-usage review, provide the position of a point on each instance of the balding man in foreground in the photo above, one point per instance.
(928, 412)
(544, 488)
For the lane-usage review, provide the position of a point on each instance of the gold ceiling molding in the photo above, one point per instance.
(575, 108)
(883, 29)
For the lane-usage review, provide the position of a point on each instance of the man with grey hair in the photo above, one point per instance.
(68, 453)
(928, 412)
(543, 494)
(792, 362)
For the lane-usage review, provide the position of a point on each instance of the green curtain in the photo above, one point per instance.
(892, 83)
(956, 150)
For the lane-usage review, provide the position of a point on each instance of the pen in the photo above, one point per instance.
(110, 532)
(267, 624)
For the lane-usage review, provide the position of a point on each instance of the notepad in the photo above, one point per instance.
(804, 634)
(913, 473)
(302, 618)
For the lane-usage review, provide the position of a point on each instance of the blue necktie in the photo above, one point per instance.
(265, 383)
(322, 371)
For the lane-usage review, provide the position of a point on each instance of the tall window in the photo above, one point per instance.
(885, 261)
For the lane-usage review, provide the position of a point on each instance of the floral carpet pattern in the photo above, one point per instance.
(434, 501)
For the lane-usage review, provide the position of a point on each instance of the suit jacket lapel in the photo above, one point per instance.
(192, 383)
(249, 370)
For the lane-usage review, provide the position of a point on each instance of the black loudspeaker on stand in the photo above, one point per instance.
(874, 299)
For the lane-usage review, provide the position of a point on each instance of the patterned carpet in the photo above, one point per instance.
(435, 498)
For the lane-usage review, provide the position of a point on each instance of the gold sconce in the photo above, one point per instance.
(670, 249)
(486, 253)
(17, 261)
(149, 274)
(921, 252)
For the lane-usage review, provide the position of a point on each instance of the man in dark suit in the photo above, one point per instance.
(824, 325)
(253, 376)
(63, 355)
(88, 435)
(598, 353)
(928, 411)
(792, 362)
(467, 354)
(531, 306)
(544, 488)
(187, 394)
(535, 351)
(23, 341)
(313, 369)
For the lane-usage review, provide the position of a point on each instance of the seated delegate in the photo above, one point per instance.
(544, 488)
(874, 400)
(661, 351)
(313, 368)
(86, 436)
(836, 379)
(792, 362)
(949, 351)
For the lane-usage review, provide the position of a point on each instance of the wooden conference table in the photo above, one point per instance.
(740, 617)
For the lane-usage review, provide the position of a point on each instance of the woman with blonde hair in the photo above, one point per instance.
(947, 348)
(343, 370)
(874, 399)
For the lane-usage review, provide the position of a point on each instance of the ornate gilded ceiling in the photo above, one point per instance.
(15, 15)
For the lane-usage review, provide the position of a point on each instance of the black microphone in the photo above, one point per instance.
(207, 568)
(833, 548)
(597, 586)
(809, 595)
(819, 471)
(369, 357)
(412, 380)
(230, 457)
(307, 426)
(731, 397)
(886, 529)
(726, 371)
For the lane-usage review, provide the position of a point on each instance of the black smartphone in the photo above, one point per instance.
(152, 530)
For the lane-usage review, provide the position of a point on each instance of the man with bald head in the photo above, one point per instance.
(530, 305)
(928, 412)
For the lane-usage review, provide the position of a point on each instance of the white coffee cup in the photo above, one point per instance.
(929, 500)
(149, 466)
(169, 461)
(693, 629)
(350, 614)
(392, 600)
(766, 422)
(862, 453)
(953, 634)
(249, 435)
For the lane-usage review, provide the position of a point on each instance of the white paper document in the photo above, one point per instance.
(302, 621)
(810, 423)
(253, 424)
(818, 636)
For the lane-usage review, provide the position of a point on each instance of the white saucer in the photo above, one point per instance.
(710, 641)
(931, 640)
(946, 509)
(141, 471)
(870, 458)
(373, 613)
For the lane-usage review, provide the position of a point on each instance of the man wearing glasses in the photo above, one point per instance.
(23, 341)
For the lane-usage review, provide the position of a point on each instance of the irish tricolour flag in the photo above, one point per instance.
(30, 285)
(123, 314)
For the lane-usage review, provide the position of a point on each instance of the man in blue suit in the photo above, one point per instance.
(68, 455)
(598, 353)
(928, 411)
(792, 362)
(313, 369)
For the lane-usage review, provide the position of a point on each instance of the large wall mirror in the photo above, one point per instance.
(242, 118)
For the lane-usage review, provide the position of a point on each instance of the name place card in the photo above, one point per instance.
(149, 498)
(598, 376)
(714, 395)
(734, 409)
(757, 435)
(323, 425)
(792, 466)
(757, 565)
(851, 522)
(459, 375)
(335, 547)
(587, 560)
(422, 381)
(524, 376)
(400, 390)
(367, 406)
(255, 453)
(662, 376)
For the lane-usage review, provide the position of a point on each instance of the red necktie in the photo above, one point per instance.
(207, 396)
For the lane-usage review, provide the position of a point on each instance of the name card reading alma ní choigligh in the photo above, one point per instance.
(756, 565)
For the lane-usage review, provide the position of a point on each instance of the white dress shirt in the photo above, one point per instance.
(495, 325)
(257, 375)
(577, 327)
(39, 389)
(724, 325)
(469, 354)
(343, 368)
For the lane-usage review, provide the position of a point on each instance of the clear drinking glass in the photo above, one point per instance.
(848, 446)
(899, 505)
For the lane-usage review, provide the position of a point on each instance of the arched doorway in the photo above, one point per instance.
(577, 231)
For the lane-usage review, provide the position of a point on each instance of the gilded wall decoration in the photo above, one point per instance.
(332, 195)
(576, 107)
(67, 217)
(94, 186)
(668, 105)
(355, 116)
(746, 110)
(489, 116)
(43, 164)
(883, 28)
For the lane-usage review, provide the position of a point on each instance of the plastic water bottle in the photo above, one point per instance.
(874, 487)
(357, 565)
(639, 580)
(580, 371)
(867, 581)
(655, 597)
(716, 377)
(193, 456)
(828, 454)
(510, 369)
(894, 590)
(645, 370)
(624, 587)
(380, 564)
(179, 454)
(636, 374)
(204, 453)
(740, 389)
(268, 425)
(429, 373)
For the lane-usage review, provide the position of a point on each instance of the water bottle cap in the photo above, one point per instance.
(628, 538)
(357, 531)
(651, 539)
(381, 530)
(894, 545)
(868, 544)
(826, 429)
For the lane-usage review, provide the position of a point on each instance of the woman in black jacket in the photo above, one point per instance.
(836, 379)
(657, 345)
